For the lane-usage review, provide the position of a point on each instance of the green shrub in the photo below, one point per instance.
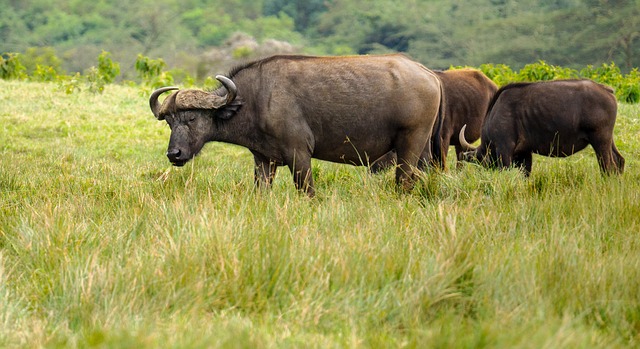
(151, 72)
(627, 87)
(108, 70)
(501, 74)
(44, 73)
(608, 74)
(242, 52)
(11, 68)
(541, 71)
(628, 90)
(45, 57)
(70, 84)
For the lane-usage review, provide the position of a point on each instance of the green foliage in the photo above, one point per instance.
(11, 67)
(42, 57)
(95, 80)
(541, 71)
(627, 87)
(152, 73)
(44, 73)
(501, 74)
(438, 33)
(70, 84)
(608, 74)
(107, 70)
(279, 27)
(105, 73)
(241, 52)
(628, 90)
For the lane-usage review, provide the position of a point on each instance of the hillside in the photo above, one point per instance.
(195, 35)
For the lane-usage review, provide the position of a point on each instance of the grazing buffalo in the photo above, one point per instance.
(289, 109)
(468, 93)
(555, 118)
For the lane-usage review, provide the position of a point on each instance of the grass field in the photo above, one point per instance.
(104, 244)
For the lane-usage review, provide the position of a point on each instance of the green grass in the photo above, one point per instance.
(103, 244)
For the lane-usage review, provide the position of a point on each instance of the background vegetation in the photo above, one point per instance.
(203, 37)
(104, 244)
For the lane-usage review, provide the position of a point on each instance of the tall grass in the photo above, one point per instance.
(102, 243)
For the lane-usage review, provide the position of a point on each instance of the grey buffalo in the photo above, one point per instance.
(289, 109)
(555, 118)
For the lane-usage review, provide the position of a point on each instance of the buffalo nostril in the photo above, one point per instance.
(173, 154)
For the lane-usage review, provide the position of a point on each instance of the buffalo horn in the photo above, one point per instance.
(153, 100)
(230, 86)
(463, 141)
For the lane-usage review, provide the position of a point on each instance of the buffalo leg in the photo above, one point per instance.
(459, 155)
(619, 160)
(604, 153)
(265, 170)
(410, 151)
(439, 156)
(300, 167)
(384, 162)
(524, 163)
(504, 155)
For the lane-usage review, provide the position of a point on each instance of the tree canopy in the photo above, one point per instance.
(189, 34)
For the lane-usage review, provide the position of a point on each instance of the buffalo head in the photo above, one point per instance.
(191, 114)
(470, 153)
(478, 155)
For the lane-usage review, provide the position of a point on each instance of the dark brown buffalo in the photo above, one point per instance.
(468, 93)
(289, 109)
(556, 118)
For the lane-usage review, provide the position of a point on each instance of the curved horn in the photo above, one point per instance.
(463, 141)
(153, 100)
(230, 86)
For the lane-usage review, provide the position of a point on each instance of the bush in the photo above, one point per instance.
(151, 72)
(44, 73)
(11, 68)
(627, 87)
(108, 70)
(43, 57)
(541, 71)
(608, 74)
(628, 90)
(501, 74)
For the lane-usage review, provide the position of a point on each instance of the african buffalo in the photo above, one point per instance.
(555, 118)
(289, 109)
(468, 93)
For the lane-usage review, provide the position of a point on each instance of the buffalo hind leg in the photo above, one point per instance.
(440, 155)
(606, 160)
(410, 151)
(384, 162)
(617, 157)
(524, 163)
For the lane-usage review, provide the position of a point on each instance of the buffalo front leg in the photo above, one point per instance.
(265, 171)
(300, 167)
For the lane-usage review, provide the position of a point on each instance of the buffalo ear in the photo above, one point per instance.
(229, 110)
